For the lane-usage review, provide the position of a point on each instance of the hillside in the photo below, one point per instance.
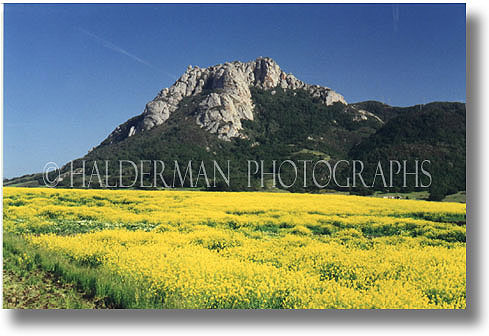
(254, 111)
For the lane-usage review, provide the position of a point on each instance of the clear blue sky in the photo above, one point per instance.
(72, 73)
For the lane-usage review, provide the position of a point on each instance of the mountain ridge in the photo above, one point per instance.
(227, 99)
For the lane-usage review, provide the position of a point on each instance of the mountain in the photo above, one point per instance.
(224, 97)
(436, 131)
(255, 111)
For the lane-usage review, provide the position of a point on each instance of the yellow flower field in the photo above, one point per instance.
(190, 249)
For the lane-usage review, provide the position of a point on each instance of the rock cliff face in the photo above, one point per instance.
(227, 100)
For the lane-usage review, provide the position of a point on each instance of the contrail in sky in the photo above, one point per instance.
(395, 16)
(113, 47)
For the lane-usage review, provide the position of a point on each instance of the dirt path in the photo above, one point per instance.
(37, 289)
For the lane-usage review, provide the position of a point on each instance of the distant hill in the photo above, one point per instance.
(435, 131)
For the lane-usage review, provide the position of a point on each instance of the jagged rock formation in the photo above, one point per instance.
(227, 100)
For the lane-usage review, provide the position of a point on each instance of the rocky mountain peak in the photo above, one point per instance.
(226, 96)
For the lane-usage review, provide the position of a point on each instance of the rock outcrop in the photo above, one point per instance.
(227, 100)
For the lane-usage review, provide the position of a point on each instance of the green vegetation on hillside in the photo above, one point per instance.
(292, 125)
(434, 132)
